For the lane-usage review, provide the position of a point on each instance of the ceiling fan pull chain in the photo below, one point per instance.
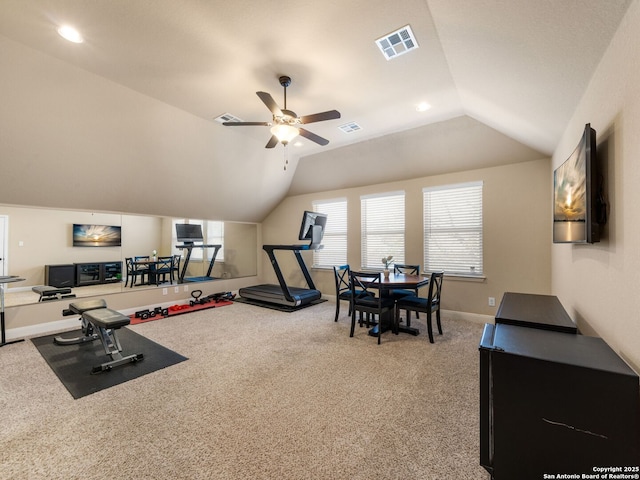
(285, 155)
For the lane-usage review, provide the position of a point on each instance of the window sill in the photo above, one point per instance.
(458, 277)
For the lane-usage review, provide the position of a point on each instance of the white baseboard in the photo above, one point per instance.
(469, 317)
(42, 329)
(70, 323)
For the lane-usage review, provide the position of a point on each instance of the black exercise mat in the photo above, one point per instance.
(276, 306)
(73, 363)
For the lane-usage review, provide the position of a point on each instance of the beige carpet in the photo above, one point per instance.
(264, 395)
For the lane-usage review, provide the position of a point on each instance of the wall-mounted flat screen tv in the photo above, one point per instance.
(85, 235)
(575, 194)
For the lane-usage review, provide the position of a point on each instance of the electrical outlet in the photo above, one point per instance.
(186, 288)
(176, 289)
(492, 301)
(165, 291)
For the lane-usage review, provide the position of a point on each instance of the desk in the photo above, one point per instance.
(399, 281)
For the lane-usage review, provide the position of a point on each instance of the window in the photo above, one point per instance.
(213, 233)
(382, 219)
(453, 229)
(334, 251)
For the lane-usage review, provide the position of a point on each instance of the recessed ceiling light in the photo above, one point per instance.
(70, 33)
(423, 107)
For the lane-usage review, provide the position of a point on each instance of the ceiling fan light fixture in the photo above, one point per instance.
(69, 33)
(285, 133)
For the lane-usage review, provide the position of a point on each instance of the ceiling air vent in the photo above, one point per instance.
(397, 43)
(227, 117)
(350, 127)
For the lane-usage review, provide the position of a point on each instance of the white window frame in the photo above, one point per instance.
(383, 228)
(453, 229)
(334, 241)
(211, 233)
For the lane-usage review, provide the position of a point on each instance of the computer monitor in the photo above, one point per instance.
(312, 227)
(189, 233)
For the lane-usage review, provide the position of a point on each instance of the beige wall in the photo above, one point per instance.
(517, 233)
(598, 284)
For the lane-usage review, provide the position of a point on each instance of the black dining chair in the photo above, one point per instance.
(398, 293)
(429, 305)
(175, 268)
(363, 300)
(133, 272)
(163, 269)
(343, 287)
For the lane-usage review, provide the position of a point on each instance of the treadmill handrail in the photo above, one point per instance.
(270, 249)
(189, 247)
(293, 247)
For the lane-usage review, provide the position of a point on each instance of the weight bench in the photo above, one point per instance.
(101, 322)
(52, 293)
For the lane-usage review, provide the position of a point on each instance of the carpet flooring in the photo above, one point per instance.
(264, 395)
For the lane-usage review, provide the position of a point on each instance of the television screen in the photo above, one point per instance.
(309, 221)
(575, 196)
(96, 235)
(189, 233)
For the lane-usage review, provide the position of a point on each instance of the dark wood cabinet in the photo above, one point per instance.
(553, 403)
(60, 276)
(81, 274)
(97, 273)
(544, 312)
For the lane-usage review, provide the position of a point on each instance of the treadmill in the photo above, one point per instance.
(282, 294)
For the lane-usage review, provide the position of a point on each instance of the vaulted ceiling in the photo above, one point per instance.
(502, 77)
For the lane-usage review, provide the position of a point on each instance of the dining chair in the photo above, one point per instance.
(429, 305)
(175, 268)
(343, 287)
(164, 267)
(363, 300)
(398, 293)
(142, 258)
(133, 272)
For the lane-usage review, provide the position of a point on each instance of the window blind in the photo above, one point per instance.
(214, 235)
(334, 251)
(453, 229)
(382, 218)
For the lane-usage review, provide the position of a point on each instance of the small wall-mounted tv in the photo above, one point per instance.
(85, 235)
(577, 203)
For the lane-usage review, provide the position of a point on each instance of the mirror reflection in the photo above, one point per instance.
(87, 252)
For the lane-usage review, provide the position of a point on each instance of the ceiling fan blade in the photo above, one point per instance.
(270, 103)
(246, 124)
(319, 117)
(273, 141)
(313, 137)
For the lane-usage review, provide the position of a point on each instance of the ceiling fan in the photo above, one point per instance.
(286, 124)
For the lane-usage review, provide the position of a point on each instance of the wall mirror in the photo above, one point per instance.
(38, 242)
